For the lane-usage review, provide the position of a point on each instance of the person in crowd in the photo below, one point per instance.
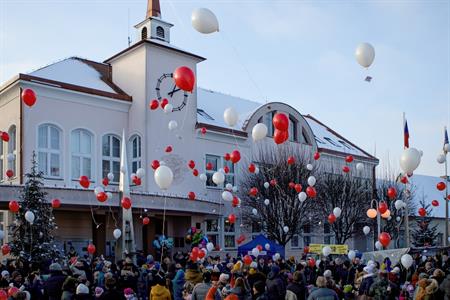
(321, 291)
(111, 292)
(201, 289)
(259, 291)
(296, 290)
(240, 290)
(69, 288)
(368, 279)
(53, 285)
(177, 284)
(82, 292)
(276, 288)
(160, 291)
(383, 289)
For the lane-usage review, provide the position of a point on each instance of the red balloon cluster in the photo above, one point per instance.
(345, 169)
(331, 218)
(6, 249)
(281, 123)
(154, 104)
(298, 187)
(28, 97)
(251, 168)
(311, 192)
(235, 156)
(422, 212)
(84, 181)
(384, 238)
(231, 218)
(349, 158)
(102, 197)
(184, 78)
(145, 220)
(105, 181)
(441, 186)
(4, 136)
(91, 249)
(137, 180)
(253, 191)
(194, 254)
(291, 160)
(392, 193)
(316, 156)
(126, 203)
(164, 102)
(9, 173)
(247, 260)
(191, 164)
(191, 196)
(382, 207)
(56, 203)
(13, 206)
(155, 164)
(435, 203)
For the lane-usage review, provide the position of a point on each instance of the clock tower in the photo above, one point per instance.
(153, 27)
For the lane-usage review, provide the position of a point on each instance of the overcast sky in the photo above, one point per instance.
(298, 52)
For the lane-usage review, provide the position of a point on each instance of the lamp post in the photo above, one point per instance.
(375, 213)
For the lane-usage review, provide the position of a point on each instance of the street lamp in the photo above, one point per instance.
(442, 158)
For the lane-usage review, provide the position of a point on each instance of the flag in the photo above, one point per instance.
(445, 138)
(406, 135)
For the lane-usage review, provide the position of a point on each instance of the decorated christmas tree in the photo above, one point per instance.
(423, 234)
(32, 230)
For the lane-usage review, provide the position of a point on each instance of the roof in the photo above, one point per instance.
(425, 187)
(211, 105)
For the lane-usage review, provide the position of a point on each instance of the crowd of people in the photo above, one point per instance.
(216, 278)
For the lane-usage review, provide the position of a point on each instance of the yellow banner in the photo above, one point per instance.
(335, 249)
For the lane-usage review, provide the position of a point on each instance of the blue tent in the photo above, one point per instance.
(261, 240)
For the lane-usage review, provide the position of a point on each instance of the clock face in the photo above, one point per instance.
(166, 88)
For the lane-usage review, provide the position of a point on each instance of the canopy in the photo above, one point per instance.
(261, 240)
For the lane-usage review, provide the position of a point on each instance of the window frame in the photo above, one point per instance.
(215, 233)
(293, 123)
(2, 159)
(232, 233)
(81, 155)
(138, 158)
(220, 163)
(111, 159)
(158, 31)
(144, 33)
(298, 245)
(48, 150)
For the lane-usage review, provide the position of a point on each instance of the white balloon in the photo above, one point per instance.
(286, 229)
(359, 167)
(231, 116)
(254, 211)
(366, 230)
(378, 245)
(441, 158)
(210, 246)
(203, 177)
(10, 156)
(168, 108)
(140, 172)
(227, 196)
(398, 219)
(110, 176)
(255, 252)
(254, 264)
(2, 234)
(365, 54)
(267, 246)
(229, 186)
(218, 178)
(302, 196)
(337, 212)
(407, 260)
(29, 216)
(98, 189)
(117, 233)
(309, 167)
(398, 204)
(266, 185)
(109, 195)
(277, 256)
(311, 180)
(172, 125)
(447, 147)
(204, 21)
(326, 250)
(234, 189)
(410, 160)
(448, 239)
(266, 202)
(163, 177)
(424, 258)
(256, 170)
(351, 254)
(259, 132)
(318, 263)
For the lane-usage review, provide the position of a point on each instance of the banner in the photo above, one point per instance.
(335, 249)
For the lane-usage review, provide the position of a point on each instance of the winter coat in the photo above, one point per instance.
(193, 276)
(323, 294)
(200, 290)
(290, 295)
(445, 287)
(159, 292)
(242, 294)
(276, 288)
(366, 283)
(112, 294)
(53, 285)
(382, 289)
(298, 289)
(177, 285)
(83, 297)
(67, 295)
(262, 296)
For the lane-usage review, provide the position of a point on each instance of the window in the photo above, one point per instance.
(332, 142)
(212, 231)
(49, 150)
(267, 120)
(295, 241)
(256, 229)
(306, 235)
(229, 234)
(326, 233)
(319, 140)
(202, 113)
(292, 129)
(12, 149)
(160, 32)
(229, 177)
(81, 145)
(111, 156)
(144, 33)
(216, 163)
(136, 154)
(346, 145)
(2, 159)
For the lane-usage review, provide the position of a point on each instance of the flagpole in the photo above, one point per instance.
(446, 194)
(406, 197)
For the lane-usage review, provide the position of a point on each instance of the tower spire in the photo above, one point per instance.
(153, 9)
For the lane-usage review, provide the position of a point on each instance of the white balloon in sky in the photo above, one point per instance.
(259, 131)
(140, 172)
(267, 246)
(168, 108)
(366, 230)
(441, 158)
(378, 245)
(227, 196)
(286, 229)
(234, 189)
(311, 180)
(254, 211)
(203, 177)
(266, 202)
(231, 116)
(204, 21)
(163, 177)
(218, 178)
(266, 185)
(359, 167)
(351, 254)
(365, 54)
(172, 125)
(302, 196)
(29, 216)
(256, 170)
(309, 167)
(117, 233)
(326, 250)
(110, 176)
(229, 186)
(398, 204)
(410, 160)
(337, 212)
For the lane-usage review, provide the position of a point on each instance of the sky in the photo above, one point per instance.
(298, 52)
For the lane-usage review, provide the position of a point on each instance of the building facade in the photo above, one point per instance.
(76, 127)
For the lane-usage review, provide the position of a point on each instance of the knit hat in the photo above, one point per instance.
(98, 291)
(327, 274)
(5, 273)
(128, 292)
(395, 270)
(254, 265)
(223, 278)
(150, 259)
(55, 267)
(82, 289)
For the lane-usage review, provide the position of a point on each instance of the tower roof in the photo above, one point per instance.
(153, 9)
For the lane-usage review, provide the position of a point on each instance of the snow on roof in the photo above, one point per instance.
(425, 187)
(74, 71)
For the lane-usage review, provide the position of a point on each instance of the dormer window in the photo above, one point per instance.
(160, 32)
(144, 33)
(204, 114)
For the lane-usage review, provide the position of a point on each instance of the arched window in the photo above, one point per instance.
(136, 153)
(293, 129)
(81, 148)
(160, 32)
(111, 156)
(12, 149)
(144, 33)
(49, 150)
(2, 159)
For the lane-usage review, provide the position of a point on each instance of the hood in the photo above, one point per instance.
(432, 287)
(238, 291)
(159, 290)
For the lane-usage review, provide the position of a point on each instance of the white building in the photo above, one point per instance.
(76, 125)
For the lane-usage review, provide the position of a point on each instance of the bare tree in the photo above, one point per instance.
(284, 209)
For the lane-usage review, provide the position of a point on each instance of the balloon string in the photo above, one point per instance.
(163, 228)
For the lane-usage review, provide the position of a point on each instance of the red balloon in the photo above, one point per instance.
(382, 207)
(203, 130)
(298, 187)
(235, 201)
(227, 156)
(349, 158)
(280, 121)
(291, 160)
(232, 218)
(306, 249)
(29, 97)
(168, 149)
(392, 193)
(56, 203)
(291, 185)
(126, 202)
(201, 254)
(91, 249)
(137, 180)
(84, 181)
(13, 291)
(311, 192)
(279, 137)
(191, 196)
(5, 136)
(251, 168)
(155, 164)
(184, 78)
(435, 203)
(345, 169)
(448, 197)
(209, 166)
(248, 259)
(235, 156)
(195, 172)
(3, 295)
(404, 179)
(6, 249)
(441, 186)
(240, 239)
(154, 104)
(259, 247)
(273, 182)
(102, 197)
(13, 206)
(192, 257)
(331, 218)
(253, 191)
(226, 170)
(316, 156)
(164, 102)
(145, 220)
(105, 181)
(9, 173)
(384, 238)
(195, 251)
(312, 262)
(422, 212)
(191, 164)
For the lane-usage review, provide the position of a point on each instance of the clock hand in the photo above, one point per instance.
(173, 91)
